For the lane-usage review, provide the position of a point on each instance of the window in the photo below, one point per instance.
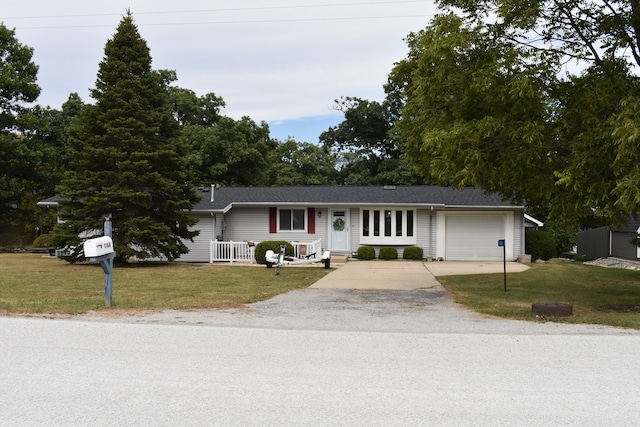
(292, 219)
(365, 223)
(387, 226)
(387, 223)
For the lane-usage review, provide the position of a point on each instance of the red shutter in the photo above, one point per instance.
(273, 220)
(311, 221)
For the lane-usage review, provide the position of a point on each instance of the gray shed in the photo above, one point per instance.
(604, 242)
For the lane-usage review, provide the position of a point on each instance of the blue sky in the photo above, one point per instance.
(279, 61)
(304, 129)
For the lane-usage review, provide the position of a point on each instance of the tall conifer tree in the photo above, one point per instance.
(20, 157)
(127, 161)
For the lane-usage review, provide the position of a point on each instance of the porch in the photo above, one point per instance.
(230, 251)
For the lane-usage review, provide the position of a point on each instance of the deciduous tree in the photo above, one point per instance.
(536, 101)
(368, 153)
(232, 152)
(301, 163)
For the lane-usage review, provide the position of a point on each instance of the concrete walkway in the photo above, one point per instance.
(404, 275)
(399, 275)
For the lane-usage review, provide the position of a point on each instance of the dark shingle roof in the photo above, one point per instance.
(223, 198)
(632, 225)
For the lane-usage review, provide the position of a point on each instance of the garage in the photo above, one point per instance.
(474, 237)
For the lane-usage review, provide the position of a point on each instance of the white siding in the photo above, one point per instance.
(435, 221)
(518, 232)
(423, 233)
(322, 226)
(355, 230)
(199, 249)
(252, 224)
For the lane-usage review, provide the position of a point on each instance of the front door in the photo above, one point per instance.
(339, 227)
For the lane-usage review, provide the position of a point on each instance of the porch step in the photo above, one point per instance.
(339, 259)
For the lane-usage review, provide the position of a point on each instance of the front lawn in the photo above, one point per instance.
(606, 296)
(35, 284)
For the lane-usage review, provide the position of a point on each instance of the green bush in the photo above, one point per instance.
(366, 252)
(42, 241)
(565, 235)
(274, 245)
(388, 252)
(412, 252)
(541, 245)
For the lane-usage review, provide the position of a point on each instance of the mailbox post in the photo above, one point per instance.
(101, 250)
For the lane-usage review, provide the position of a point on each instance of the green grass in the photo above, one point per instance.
(35, 284)
(605, 296)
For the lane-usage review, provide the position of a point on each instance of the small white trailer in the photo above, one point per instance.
(281, 259)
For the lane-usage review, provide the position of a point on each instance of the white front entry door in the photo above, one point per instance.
(339, 230)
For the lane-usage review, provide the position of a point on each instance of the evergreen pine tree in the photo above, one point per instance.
(127, 162)
(21, 157)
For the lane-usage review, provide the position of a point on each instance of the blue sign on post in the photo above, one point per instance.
(501, 243)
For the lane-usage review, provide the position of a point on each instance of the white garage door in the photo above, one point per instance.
(474, 237)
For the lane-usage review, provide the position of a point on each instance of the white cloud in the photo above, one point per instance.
(275, 61)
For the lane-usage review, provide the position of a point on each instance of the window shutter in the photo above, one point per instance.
(273, 220)
(311, 221)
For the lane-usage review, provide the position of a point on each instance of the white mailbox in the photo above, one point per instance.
(97, 247)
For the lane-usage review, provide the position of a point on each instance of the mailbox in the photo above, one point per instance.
(99, 246)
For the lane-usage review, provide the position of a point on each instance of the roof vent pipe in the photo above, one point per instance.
(213, 189)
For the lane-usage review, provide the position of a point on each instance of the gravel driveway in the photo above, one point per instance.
(413, 301)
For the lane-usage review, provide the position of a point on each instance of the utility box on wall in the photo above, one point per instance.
(97, 247)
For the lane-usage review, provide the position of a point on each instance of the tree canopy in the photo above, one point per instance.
(536, 101)
(367, 152)
(127, 162)
(232, 152)
(21, 156)
(295, 163)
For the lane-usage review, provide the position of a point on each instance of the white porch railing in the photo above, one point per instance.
(302, 249)
(245, 252)
(232, 251)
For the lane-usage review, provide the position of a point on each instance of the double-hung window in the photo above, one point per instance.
(388, 226)
(291, 219)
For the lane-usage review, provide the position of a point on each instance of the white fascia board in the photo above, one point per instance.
(533, 220)
(329, 204)
(484, 208)
(48, 204)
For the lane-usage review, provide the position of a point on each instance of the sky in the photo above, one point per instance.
(283, 62)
